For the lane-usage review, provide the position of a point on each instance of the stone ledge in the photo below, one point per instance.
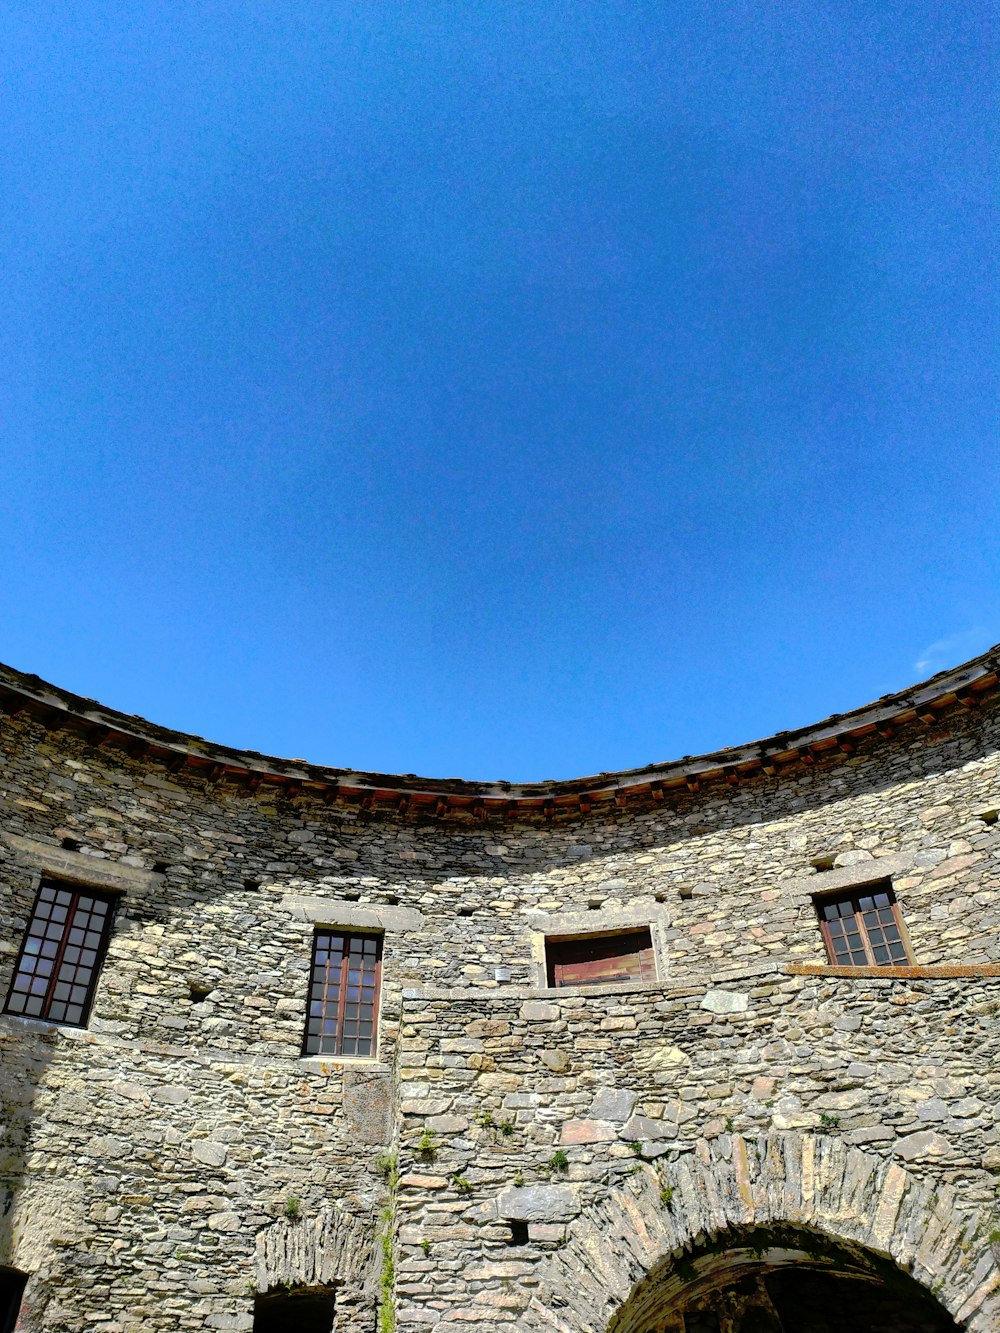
(97, 872)
(915, 972)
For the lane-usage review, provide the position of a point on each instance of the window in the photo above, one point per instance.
(343, 994)
(864, 929)
(595, 960)
(12, 1285)
(56, 972)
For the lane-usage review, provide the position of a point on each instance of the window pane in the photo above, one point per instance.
(337, 991)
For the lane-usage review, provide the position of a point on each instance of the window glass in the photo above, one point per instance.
(56, 972)
(343, 994)
(863, 929)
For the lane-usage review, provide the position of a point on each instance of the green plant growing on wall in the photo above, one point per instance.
(427, 1145)
(388, 1169)
(485, 1119)
(459, 1181)
(558, 1161)
(827, 1123)
(506, 1128)
(636, 1147)
(425, 1245)
(666, 1195)
(293, 1208)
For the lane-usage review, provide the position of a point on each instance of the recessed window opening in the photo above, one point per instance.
(864, 928)
(61, 954)
(304, 1309)
(12, 1284)
(596, 960)
(343, 993)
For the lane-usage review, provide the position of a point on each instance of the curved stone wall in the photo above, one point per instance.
(176, 1156)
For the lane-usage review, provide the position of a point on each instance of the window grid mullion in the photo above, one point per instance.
(342, 994)
(58, 960)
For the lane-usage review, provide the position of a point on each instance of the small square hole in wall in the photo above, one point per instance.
(352, 897)
(71, 844)
(824, 862)
(466, 911)
(160, 867)
(198, 991)
(518, 1233)
(251, 885)
(990, 816)
(392, 899)
(595, 904)
(685, 891)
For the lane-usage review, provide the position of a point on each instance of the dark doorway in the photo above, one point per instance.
(297, 1310)
(12, 1285)
(782, 1279)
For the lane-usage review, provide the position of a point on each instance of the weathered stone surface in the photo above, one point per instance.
(539, 1203)
(725, 1002)
(587, 1131)
(926, 1143)
(614, 1104)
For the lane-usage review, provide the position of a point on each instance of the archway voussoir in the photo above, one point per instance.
(633, 1251)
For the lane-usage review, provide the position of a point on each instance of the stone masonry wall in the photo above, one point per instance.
(537, 1110)
(148, 1164)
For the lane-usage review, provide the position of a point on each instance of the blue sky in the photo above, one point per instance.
(497, 390)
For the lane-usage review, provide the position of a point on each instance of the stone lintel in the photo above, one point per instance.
(331, 912)
(95, 871)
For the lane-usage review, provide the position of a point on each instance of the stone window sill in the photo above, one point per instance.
(909, 972)
(333, 1064)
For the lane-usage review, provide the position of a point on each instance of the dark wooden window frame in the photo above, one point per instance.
(874, 927)
(560, 948)
(343, 999)
(62, 953)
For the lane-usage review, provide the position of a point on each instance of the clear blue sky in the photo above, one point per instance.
(497, 390)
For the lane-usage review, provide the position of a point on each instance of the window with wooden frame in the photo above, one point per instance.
(597, 960)
(343, 993)
(864, 928)
(61, 954)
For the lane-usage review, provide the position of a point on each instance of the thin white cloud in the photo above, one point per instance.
(953, 650)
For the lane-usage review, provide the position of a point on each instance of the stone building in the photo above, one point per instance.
(708, 1047)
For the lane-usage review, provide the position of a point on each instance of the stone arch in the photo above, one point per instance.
(334, 1248)
(813, 1182)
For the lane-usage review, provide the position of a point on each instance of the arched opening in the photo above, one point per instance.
(294, 1310)
(12, 1284)
(780, 1280)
